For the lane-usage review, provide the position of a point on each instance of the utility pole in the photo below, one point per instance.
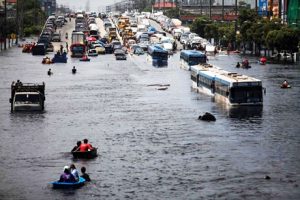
(256, 6)
(5, 22)
(201, 7)
(279, 9)
(235, 24)
(210, 9)
(223, 10)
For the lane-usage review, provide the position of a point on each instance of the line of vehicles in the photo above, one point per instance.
(188, 39)
(48, 35)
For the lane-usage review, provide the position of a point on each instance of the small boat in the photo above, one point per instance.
(65, 185)
(86, 155)
(60, 58)
(285, 87)
(85, 59)
(162, 88)
(262, 60)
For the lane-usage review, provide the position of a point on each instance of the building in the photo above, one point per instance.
(49, 6)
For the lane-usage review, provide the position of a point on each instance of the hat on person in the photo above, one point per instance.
(66, 167)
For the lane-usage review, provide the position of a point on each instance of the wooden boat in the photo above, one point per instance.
(84, 58)
(285, 87)
(65, 185)
(86, 155)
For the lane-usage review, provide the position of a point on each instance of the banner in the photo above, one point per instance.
(263, 7)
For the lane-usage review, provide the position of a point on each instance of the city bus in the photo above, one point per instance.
(158, 56)
(231, 88)
(189, 58)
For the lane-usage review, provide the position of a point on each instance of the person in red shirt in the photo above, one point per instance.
(85, 146)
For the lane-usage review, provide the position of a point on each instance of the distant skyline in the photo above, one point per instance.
(95, 5)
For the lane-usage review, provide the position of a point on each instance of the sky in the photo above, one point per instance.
(95, 5)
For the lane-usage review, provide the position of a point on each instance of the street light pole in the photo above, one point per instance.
(5, 22)
(210, 9)
(223, 10)
(235, 24)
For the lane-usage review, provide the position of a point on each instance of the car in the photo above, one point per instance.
(120, 54)
(56, 37)
(116, 44)
(136, 49)
(99, 48)
(92, 52)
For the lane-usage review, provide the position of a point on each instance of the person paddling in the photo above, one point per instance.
(285, 84)
(76, 148)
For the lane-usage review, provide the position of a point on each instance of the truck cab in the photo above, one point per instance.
(27, 97)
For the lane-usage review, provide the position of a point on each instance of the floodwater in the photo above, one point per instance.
(150, 143)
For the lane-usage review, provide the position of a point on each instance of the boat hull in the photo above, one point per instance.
(85, 155)
(64, 185)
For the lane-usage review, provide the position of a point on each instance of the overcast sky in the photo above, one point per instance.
(95, 5)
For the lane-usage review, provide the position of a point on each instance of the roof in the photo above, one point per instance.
(157, 48)
(11, 1)
(164, 5)
(192, 53)
(225, 76)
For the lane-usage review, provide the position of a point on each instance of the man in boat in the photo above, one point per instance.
(86, 146)
(285, 84)
(238, 65)
(76, 148)
(67, 176)
(84, 174)
(74, 172)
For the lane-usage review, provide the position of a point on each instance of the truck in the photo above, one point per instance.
(27, 96)
(78, 37)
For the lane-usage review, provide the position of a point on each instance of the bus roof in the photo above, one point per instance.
(220, 74)
(156, 48)
(192, 53)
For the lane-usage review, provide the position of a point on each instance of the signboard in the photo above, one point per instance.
(263, 7)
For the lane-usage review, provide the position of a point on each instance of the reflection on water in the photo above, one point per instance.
(245, 112)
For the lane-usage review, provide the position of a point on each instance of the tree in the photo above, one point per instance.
(211, 31)
(172, 13)
(247, 15)
(198, 26)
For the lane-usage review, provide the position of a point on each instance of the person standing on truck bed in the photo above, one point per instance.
(19, 83)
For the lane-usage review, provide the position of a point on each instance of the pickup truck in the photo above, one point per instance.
(27, 96)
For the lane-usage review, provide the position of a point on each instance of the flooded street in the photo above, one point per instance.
(150, 143)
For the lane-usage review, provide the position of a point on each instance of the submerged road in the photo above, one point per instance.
(150, 143)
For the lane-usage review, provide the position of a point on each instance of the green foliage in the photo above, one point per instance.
(147, 9)
(199, 25)
(252, 28)
(172, 13)
(34, 17)
(211, 31)
(283, 39)
(32, 30)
